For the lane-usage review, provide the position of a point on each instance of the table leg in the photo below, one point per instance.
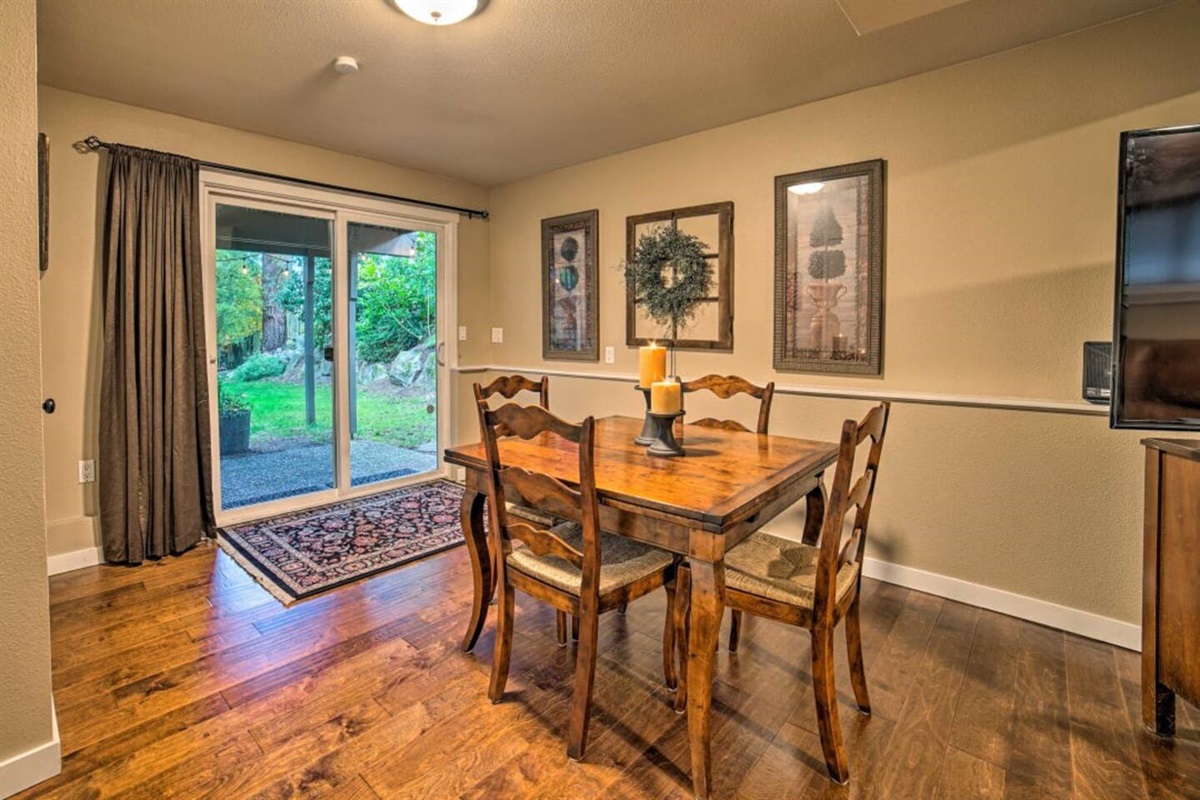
(814, 514)
(707, 606)
(481, 562)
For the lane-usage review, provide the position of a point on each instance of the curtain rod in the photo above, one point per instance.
(93, 143)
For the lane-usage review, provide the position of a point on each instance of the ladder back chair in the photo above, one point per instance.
(812, 586)
(726, 387)
(573, 566)
(508, 387)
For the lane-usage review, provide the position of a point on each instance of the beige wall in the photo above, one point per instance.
(70, 299)
(1000, 238)
(25, 704)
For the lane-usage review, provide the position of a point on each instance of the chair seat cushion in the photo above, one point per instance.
(780, 569)
(623, 561)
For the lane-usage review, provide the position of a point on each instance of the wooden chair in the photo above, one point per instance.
(572, 566)
(508, 387)
(727, 387)
(812, 585)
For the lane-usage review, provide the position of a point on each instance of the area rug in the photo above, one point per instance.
(298, 555)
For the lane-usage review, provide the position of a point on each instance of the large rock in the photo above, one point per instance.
(412, 367)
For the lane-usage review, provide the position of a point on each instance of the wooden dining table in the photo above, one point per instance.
(699, 505)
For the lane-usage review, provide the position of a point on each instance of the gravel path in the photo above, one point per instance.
(257, 477)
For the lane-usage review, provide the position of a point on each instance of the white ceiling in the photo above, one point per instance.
(525, 86)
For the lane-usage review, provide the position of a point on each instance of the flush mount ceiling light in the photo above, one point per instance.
(438, 12)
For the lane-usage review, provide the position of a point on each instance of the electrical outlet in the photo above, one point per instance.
(609, 357)
(497, 335)
(462, 333)
(87, 471)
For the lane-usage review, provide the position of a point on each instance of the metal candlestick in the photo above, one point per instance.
(646, 437)
(664, 443)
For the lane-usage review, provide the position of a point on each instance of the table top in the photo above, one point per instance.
(724, 473)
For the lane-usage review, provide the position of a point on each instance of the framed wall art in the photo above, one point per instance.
(570, 287)
(43, 202)
(712, 326)
(829, 246)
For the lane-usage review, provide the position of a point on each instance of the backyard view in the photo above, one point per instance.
(275, 349)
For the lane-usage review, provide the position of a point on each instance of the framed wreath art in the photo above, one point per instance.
(677, 281)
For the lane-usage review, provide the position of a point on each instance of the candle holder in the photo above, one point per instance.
(664, 443)
(646, 437)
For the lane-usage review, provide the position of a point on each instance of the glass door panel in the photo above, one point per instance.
(393, 351)
(274, 340)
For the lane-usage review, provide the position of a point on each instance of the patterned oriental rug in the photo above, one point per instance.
(298, 555)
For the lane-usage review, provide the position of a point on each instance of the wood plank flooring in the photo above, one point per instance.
(185, 679)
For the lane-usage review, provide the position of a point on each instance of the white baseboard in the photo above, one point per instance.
(33, 766)
(76, 559)
(1072, 620)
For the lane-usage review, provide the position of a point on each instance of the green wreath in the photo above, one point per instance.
(670, 275)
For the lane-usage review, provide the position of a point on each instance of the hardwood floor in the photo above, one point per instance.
(185, 679)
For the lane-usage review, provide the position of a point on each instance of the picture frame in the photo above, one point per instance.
(43, 173)
(570, 287)
(829, 224)
(713, 327)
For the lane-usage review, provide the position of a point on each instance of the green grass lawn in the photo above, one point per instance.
(277, 412)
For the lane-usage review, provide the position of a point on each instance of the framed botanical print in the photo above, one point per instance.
(712, 326)
(570, 287)
(829, 245)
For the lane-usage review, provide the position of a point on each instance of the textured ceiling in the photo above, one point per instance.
(525, 86)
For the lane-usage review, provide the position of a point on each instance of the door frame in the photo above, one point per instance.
(341, 208)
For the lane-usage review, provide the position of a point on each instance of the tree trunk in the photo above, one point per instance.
(274, 320)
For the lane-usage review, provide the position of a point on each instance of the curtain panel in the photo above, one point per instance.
(155, 451)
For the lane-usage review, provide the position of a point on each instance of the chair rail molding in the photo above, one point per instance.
(1040, 405)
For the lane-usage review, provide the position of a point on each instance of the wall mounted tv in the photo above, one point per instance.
(1156, 324)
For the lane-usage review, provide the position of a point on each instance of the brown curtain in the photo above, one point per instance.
(155, 451)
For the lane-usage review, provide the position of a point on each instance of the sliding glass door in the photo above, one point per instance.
(392, 295)
(325, 345)
(273, 319)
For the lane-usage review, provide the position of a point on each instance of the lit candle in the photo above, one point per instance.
(652, 365)
(665, 397)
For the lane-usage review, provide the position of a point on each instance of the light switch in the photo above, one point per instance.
(609, 357)
(462, 333)
(497, 335)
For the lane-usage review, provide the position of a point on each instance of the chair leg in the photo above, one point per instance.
(826, 697)
(585, 681)
(575, 628)
(735, 629)
(858, 672)
(503, 650)
(621, 609)
(668, 646)
(683, 598)
(560, 621)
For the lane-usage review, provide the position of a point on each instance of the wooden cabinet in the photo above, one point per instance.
(1171, 581)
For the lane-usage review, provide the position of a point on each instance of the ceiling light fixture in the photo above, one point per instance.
(438, 12)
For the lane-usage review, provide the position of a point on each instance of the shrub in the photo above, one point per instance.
(257, 367)
(229, 402)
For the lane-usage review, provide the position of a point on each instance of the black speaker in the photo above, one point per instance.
(1097, 372)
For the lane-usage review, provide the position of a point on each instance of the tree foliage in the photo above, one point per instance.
(239, 295)
(397, 301)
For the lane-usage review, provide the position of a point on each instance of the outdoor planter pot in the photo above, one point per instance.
(235, 432)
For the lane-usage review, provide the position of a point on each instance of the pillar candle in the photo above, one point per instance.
(665, 397)
(652, 365)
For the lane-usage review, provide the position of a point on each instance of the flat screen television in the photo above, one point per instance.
(1156, 323)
